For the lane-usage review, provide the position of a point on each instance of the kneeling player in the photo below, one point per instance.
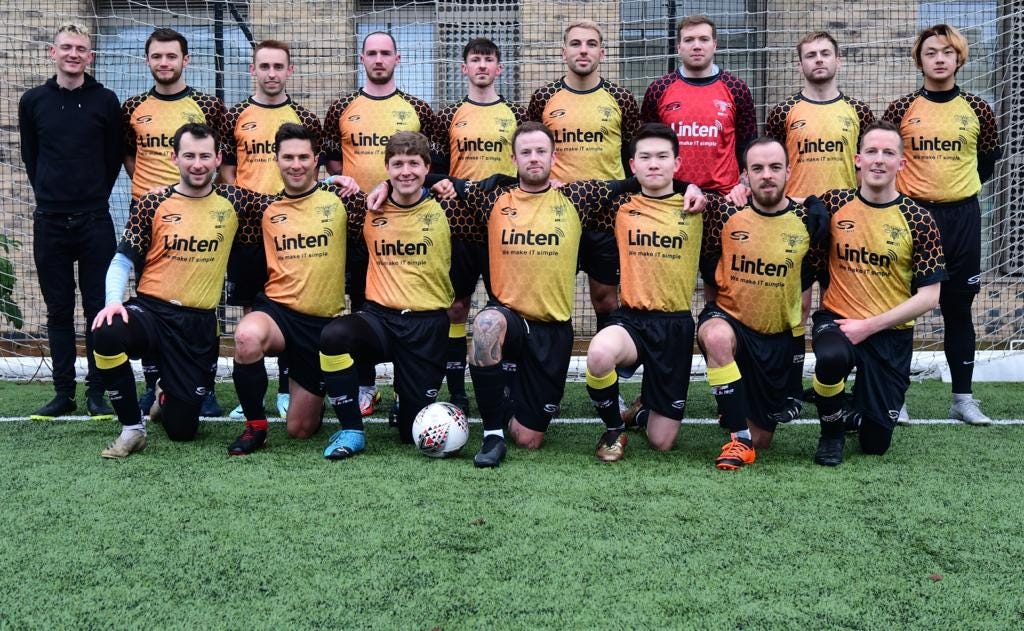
(303, 250)
(178, 241)
(408, 291)
(758, 261)
(659, 249)
(885, 267)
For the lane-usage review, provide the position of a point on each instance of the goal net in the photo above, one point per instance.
(756, 42)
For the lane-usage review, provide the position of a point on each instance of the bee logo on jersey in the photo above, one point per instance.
(896, 233)
(192, 118)
(847, 124)
(326, 212)
(606, 113)
(400, 117)
(504, 124)
(792, 240)
(963, 120)
(428, 220)
(220, 216)
(559, 211)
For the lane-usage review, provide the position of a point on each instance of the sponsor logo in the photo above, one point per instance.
(398, 247)
(142, 120)
(564, 135)
(251, 125)
(914, 121)
(156, 140)
(480, 144)
(281, 218)
(697, 130)
(508, 211)
(760, 267)
(863, 255)
(260, 147)
(431, 393)
(797, 124)
(556, 114)
(284, 243)
(653, 239)
(920, 143)
(739, 235)
(515, 237)
(673, 106)
(379, 222)
(846, 225)
(821, 146)
(192, 243)
(679, 404)
(173, 218)
(974, 280)
(353, 118)
(461, 124)
(550, 408)
(368, 140)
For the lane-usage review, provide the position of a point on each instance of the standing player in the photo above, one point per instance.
(593, 121)
(408, 290)
(952, 145)
(150, 122)
(820, 127)
(178, 242)
(303, 235)
(473, 138)
(760, 260)
(659, 249)
(72, 145)
(249, 150)
(356, 131)
(885, 266)
(710, 109)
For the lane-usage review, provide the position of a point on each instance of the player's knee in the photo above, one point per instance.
(337, 337)
(60, 318)
(716, 339)
(600, 357)
(604, 298)
(661, 442)
(111, 339)
(956, 305)
(302, 429)
(249, 341)
(833, 356)
(489, 329)
(532, 441)
(874, 439)
(180, 419)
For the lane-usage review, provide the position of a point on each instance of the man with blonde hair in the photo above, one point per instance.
(72, 144)
(952, 144)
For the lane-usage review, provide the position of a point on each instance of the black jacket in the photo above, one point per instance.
(72, 142)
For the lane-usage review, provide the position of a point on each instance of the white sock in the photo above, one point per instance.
(962, 398)
(745, 433)
(370, 390)
(500, 433)
(127, 430)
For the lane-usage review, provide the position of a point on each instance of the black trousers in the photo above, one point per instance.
(59, 241)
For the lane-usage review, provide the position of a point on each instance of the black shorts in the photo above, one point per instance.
(415, 342)
(541, 352)
(246, 274)
(302, 342)
(357, 259)
(185, 341)
(469, 263)
(883, 370)
(599, 256)
(959, 226)
(664, 345)
(765, 361)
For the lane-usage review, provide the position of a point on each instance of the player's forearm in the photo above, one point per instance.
(129, 165)
(228, 173)
(117, 278)
(926, 299)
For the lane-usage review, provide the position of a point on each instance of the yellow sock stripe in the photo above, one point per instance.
(724, 374)
(827, 390)
(106, 362)
(457, 330)
(335, 363)
(601, 382)
(798, 331)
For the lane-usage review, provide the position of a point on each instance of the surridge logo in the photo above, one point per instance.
(739, 235)
(797, 124)
(279, 218)
(171, 218)
(251, 125)
(379, 222)
(557, 113)
(144, 119)
(846, 225)
(508, 211)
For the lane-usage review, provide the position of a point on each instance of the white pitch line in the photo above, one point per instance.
(560, 421)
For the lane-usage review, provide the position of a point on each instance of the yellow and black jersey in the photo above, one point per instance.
(150, 122)
(659, 252)
(533, 242)
(249, 141)
(304, 243)
(476, 138)
(760, 263)
(821, 139)
(180, 244)
(948, 137)
(879, 254)
(410, 255)
(592, 129)
(357, 128)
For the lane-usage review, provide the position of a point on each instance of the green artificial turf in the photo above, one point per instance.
(183, 536)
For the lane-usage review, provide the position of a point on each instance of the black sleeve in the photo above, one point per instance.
(987, 164)
(29, 140)
(113, 142)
